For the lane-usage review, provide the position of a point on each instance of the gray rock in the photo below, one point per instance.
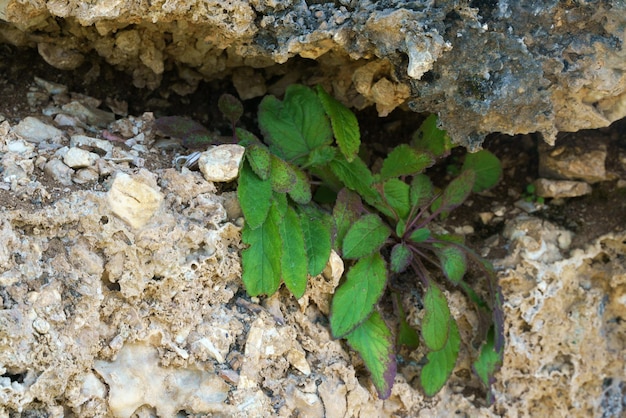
(59, 172)
(79, 158)
(221, 163)
(88, 114)
(511, 67)
(561, 188)
(97, 145)
(34, 130)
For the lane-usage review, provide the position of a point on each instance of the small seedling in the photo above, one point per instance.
(381, 224)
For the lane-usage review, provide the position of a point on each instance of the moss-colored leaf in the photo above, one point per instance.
(436, 318)
(397, 194)
(255, 196)
(374, 342)
(407, 336)
(356, 176)
(294, 264)
(301, 190)
(421, 191)
(453, 262)
(355, 299)
(283, 177)
(366, 236)
(321, 155)
(191, 133)
(400, 258)
(420, 235)
(487, 167)
(246, 138)
(316, 227)
(457, 190)
(230, 106)
(432, 139)
(261, 260)
(348, 208)
(259, 158)
(441, 363)
(344, 123)
(404, 161)
(488, 361)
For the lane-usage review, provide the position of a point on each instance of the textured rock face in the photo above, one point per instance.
(507, 66)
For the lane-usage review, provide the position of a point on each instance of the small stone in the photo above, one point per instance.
(89, 114)
(41, 326)
(133, 201)
(576, 161)
(36, 98)
(85, 175)
(79, 158)
(59, 172)
(499, 210)
(34, 130)
(50, 87)
(486, 217)
(561, 188)
(221, 163)
(95, 144)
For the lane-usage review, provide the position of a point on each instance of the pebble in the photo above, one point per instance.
(561, 188)
(85, 175)
(91, 115)
(133, 201)
(82, 141)
(34, 130)
(59, 172)
(574, 162)
(50, 87)
(221, 163)
(41, 325)
(79, 158)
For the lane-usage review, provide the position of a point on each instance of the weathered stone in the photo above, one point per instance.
(82, 141)
(221, 163)
(573, 161)
(34, 130)
(132, 200)
(512, 67)
(59, 172)
(79, 158)
(89, 114)
(561, 188)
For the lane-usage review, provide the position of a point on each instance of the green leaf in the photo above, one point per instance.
(230, 106)
(400, 228)
(301, 190)
(453, 262)
(487, 167)
(295, 126)
(321, 155)
(344, 123)
(316, 227)
(283, 177)
(261, 260)
(374, 342)
(488, 361)
(420, 235)
(255, 196)
(432, 139)
(347, 210)
(259, 158)
(441, 363)
(397, 194)
(457, 190)
(435, 325)
(421, 191)
(246, 138)
(356, 176)
(294, 263)
(404, 161)
(365, 236)
(400, 258)
(356, 298)
(191, 133)
(407, 336)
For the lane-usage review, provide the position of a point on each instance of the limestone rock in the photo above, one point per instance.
(221, 163)
(561, 188)
(132, 200)
(511, 67)
(574, 161)
(79, 158)
(34, 130)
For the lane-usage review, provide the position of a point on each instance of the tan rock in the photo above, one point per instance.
(561, 188)
(133, 201)
(221, 163)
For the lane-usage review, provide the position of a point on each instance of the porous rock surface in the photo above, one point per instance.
(483, 66)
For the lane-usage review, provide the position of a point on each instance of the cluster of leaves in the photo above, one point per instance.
(381, 225)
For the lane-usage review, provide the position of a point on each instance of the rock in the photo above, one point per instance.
(59, 171)
(221, 163)
(99, 146)
(89, 114)
(135, 378)
(85, 175)
(132, 200)
(79, 158)
(51, 87)
(509, 67)
(575, 161)
(561, 188)
(34, 130)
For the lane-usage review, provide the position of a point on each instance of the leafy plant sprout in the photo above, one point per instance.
(382, 224)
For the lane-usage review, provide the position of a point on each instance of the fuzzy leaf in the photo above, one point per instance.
(344, 123)
(453, 262)
(420, 235)
(397, 194)
(355, 299)
(487, 167)
(365, 236)
(374, 342)
(457, 190)
(400, 228)
(231, 107)
(356, 176)
(316, 227)
(321, 155)
(435, 325)
(261, 260)
(488, 361)
(301, 190)
(295, 126)
(294, 263)
(347, 210)
(283, 176)
(441, 363)
(259, 158)
(192, 134)
(432, 139)
(421, 191)
(400, 258)
(255, 196)
(246, 138)
(404, 161)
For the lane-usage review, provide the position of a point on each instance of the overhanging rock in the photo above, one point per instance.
(486, 66)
